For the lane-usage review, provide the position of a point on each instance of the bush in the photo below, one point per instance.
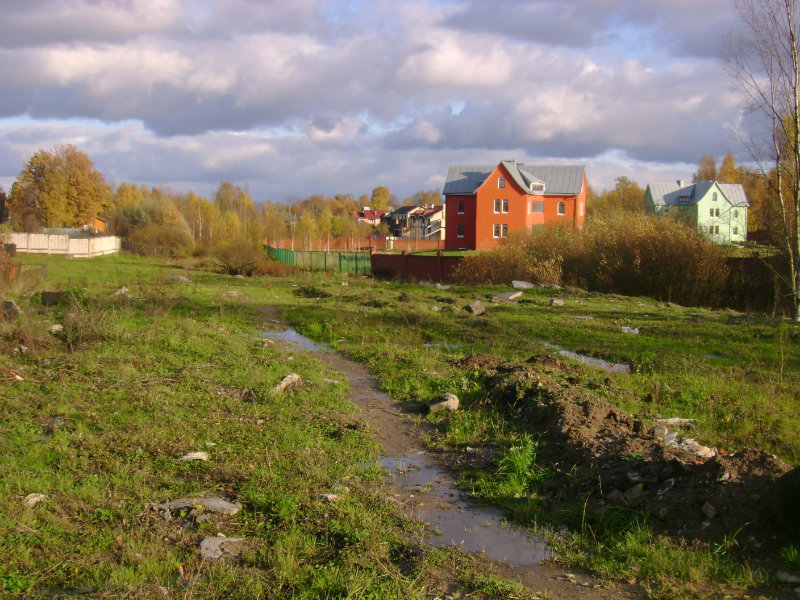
(172, 239)
(641, 255)
(238, 258)
(631, 254)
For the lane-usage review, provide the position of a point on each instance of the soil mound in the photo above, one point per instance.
(597, 451)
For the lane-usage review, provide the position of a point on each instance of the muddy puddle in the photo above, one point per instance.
(589, 360)
(423, 489)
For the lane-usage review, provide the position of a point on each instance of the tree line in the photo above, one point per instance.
(63, 188)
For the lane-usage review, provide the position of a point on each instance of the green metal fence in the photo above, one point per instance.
(346, 262)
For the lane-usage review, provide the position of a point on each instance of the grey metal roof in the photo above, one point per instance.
(558, 180)
(671, 193)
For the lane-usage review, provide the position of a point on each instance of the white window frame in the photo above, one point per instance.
(496, 230)
(505, 205)
(561, 209)
(460, 207)
(501, 182)
(504, 230)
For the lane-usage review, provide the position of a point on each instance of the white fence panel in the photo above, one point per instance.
(43, 243)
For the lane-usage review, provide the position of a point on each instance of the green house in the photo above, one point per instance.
(717, 210)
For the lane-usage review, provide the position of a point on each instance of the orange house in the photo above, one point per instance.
(483, 204)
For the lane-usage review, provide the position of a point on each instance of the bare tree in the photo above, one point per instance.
(765, 64)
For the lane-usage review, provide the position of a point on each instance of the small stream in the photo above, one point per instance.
(423, 489)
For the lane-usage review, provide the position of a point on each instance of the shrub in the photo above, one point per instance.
(631, 254)
(641, 255)
(238, 257)
(171, 239)
(539, 258)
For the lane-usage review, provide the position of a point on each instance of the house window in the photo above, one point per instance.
(461, 207)
(716, 213)
(683, 199)
(460, 230)
(561, 208)
(500, 230)
(497, 205)
(501, 182)
(713, 230)
(714, 197)
(735, 231)
(666, 212)
(537, 206)
(505, 206)
(735, 214)
(711, 212)
(716, 229)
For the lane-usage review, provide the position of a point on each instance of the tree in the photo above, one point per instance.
(728, 173)
(61, 188)
(765, 63)
(380, 198)
(706, 169)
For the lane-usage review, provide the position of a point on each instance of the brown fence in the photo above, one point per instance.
(414, 267)
(373, 242)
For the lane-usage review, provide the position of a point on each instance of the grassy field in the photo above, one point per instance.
(97, 416)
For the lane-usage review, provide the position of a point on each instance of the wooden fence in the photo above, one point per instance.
(44, 243)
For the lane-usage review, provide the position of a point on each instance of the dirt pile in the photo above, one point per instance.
(596, 451)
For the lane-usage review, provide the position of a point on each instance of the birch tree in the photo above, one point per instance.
(765, 64)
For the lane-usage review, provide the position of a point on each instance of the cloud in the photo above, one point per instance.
(343, 95)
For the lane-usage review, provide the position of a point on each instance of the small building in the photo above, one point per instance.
(427, 224)
(716, 210)
(371, 217)
(96, 225)
(484, 203)
(399, 220)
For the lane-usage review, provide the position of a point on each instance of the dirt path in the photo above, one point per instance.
(435, 500)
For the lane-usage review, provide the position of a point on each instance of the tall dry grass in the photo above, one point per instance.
(630, 254)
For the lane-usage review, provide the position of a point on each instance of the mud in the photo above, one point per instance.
(596, 451)
(424, 490)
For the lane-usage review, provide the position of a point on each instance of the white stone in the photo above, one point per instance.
(32, 500)
(194, 456)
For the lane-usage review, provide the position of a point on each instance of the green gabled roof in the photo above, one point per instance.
(558, 180)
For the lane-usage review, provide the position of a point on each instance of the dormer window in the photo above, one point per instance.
(683, 199)
(501, 182)
(537, 187)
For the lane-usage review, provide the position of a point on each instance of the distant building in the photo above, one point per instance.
(427, 224)
(371, 217)
(484, 203)
(716, 210)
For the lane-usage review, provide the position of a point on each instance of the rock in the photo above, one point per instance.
(123, 291)
(11, 309)
(444, 402)
(57, 328)
(556, 302)
(476, 308)
(52, 298)
(709, 510)
(330, 497)
(618, 498)
(630, 330)
(233, 294)
(290, 381)
(698, 449)
(785, 577)
(518, 284)
(634, 495)
(194, 456)
(783, 495)
(677, 422)
(660, 432)
(32, 500)
(180, 279)
(442, 286)
(213, 504)
(506, 296)
(221, 547)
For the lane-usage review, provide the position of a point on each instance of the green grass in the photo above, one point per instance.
(140, 381)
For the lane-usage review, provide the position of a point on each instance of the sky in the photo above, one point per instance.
(340, 96)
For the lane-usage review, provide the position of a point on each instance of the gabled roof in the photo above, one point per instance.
(405, 210)
(372, 214)
(673, 193)
(558, 180)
